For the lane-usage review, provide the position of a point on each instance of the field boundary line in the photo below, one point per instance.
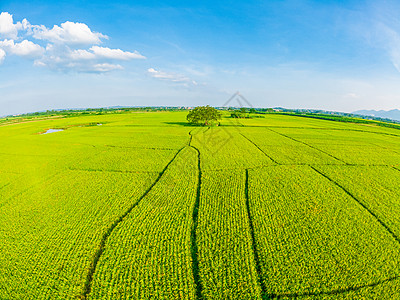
(321, 128)
(273, 160)
(264, 293)
(360, 203)
(299, 165)
(193, 236)
(30, 155)
(190, 138)
(115, 171)
(100, 250)
(335, 292)
(144, 148)
(304, 143)
(30, 121)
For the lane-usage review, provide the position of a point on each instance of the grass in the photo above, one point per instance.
(146, 207)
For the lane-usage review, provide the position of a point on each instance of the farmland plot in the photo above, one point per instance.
(126, 160)
(351, 147)
(312, 237)
(226, 261)
(132, 137)
(376, 187)
(50, 234)
(285, 150)
(225, 148)
(149, 254)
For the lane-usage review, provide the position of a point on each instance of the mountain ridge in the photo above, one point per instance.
(393, 114)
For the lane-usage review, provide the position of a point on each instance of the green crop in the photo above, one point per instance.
(314, 238)
(145, 206)
(227, 266)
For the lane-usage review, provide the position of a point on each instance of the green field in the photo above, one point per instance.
(144, 206)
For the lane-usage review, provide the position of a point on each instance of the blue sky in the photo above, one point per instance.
(334, 55)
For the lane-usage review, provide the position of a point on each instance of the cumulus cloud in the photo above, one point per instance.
(60, 48)
(172, 77)
(68, 33)
(25, 48)
(7, 27)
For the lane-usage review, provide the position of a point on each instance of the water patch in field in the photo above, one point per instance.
(52, 130)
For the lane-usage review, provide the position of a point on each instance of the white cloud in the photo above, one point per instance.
(2, 55)
(62, 52)
(25, 48)
(80, 54)
(172, 77)
(62, 65)
(101, 68)
(68, 33)
(115, 53)
(39, 63)
(7, 27)
(61, 58)
(97, 52)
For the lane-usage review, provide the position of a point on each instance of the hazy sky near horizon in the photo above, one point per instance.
(333, 55)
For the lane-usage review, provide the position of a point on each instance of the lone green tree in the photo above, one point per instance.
(203, 115)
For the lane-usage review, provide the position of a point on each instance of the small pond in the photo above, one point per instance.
(52, 130)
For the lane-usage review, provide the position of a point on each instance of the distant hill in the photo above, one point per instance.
(393, 114)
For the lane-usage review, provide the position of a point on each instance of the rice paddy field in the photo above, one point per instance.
(142, 206)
